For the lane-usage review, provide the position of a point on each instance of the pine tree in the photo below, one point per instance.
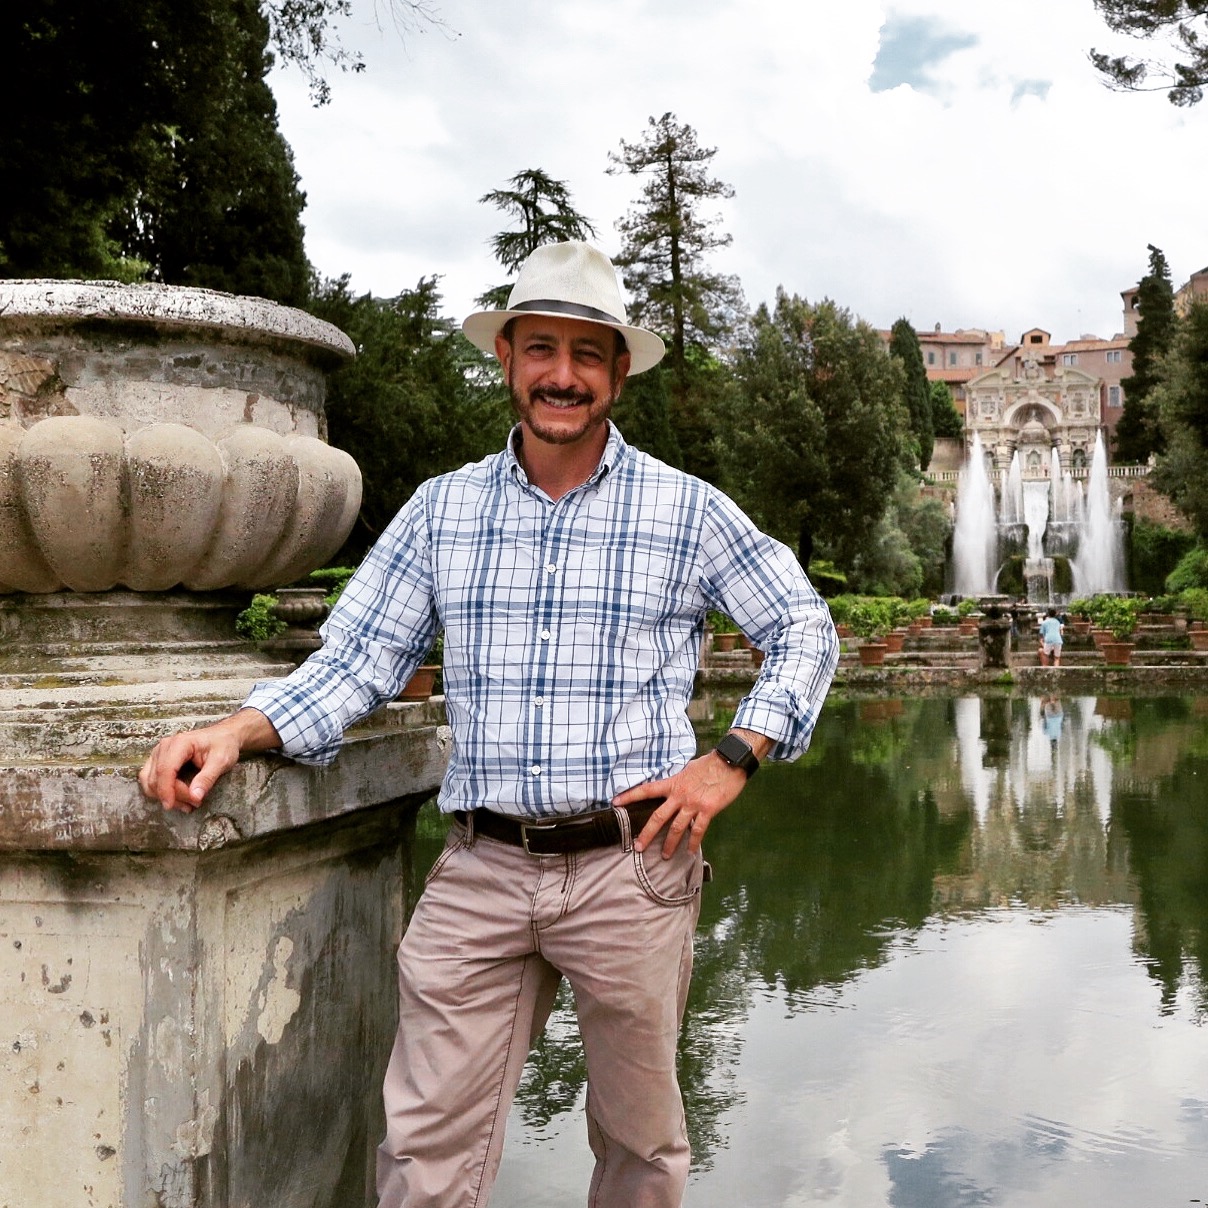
(666, 240)
(543, 207)
(1139, 432)
(904, 345)
(1182, 471)
(1182, 23)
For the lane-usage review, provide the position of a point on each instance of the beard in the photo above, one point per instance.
(590, 408)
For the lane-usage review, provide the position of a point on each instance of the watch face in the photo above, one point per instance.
(738, 753)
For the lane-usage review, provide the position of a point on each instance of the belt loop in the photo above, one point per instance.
(623, 822)
(469, 825)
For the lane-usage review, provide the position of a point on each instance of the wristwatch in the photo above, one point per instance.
(738, 754)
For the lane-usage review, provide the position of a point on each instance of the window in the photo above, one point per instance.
(952, 358)
(1113, 356)
(1069, 358)
(1035, 339)
(977, 358)
(930, 357)
(1113, 396)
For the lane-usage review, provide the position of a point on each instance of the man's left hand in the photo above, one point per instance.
(696, 794)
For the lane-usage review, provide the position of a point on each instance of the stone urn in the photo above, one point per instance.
(185, 997)
(155, 438)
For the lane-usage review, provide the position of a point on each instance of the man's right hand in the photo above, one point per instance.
(183, 768)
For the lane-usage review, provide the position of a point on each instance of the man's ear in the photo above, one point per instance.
(620, 372)
(503, 350)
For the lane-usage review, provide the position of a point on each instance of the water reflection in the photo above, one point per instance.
(954, 956)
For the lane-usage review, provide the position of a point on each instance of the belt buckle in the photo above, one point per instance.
(525, 827)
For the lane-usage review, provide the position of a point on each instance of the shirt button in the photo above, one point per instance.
(551, 568)
(539, 701)
(536, 769)
(545, 635)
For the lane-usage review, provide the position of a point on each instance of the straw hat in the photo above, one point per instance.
(570, 280)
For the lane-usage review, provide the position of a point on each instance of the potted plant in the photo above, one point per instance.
(1079, 614)
(725, 632)
(840, 610)
(1118, 616)
(870, 622)
(422, 683)
(1193, 602)
(966, 610)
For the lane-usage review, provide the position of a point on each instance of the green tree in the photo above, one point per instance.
(666, 240)
(409, 406)
(1182, 404)
(904, 345)
(1181, 24)
(644, 416)
(152, 148)
(542, 206)
(810, 435)
(945, 418)
(220, 206)
(1139, 432)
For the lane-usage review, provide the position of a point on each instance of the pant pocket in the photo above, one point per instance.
(674, 882)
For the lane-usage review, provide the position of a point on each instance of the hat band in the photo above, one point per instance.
(574, 309)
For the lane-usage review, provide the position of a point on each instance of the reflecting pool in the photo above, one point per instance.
(954, 956)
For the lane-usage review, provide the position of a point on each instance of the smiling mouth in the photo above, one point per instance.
(565, 403)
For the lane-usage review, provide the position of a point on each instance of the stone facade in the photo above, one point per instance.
(1021, 408)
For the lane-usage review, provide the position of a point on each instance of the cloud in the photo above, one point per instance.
(1036, 88)
(911, 47)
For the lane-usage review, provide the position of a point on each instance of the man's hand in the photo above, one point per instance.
(183, 768)
(696, 794)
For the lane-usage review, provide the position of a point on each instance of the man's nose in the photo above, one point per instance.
(562, 368)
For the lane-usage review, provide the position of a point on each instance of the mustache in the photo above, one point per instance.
(565, 395)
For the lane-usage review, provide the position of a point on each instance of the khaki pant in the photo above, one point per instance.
(492, 935)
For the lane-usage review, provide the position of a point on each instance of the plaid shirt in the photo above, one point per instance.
(572, 631)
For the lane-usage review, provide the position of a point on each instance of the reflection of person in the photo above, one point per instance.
(1053, 717)
(1050, 639)
(571, 575)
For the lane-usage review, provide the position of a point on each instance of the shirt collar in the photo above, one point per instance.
(615, 453)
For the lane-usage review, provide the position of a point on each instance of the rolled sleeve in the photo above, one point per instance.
(377, 634)
(758, 582)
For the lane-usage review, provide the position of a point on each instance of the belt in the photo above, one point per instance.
(558, 836)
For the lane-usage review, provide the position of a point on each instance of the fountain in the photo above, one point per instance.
(1042, 513)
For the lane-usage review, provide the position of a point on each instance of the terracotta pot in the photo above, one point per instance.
(1116, 654)
(420, 685)
(872, 654)
(967, 629)
(724, 642)
(756, 657)
(1081, 628)
(1199, 639)
(844, 631)
(923, 622)
(1099, 636)
(894, 641)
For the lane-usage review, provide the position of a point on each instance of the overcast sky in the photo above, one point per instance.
(954, 161)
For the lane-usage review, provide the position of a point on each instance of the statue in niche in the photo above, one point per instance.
(1031, 367)
(1078, 459)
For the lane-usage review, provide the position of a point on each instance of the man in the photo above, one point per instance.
(1051, 639)
(571, 576)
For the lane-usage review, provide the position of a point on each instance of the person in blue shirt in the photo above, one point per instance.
(570, 575)
(1050, 639)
